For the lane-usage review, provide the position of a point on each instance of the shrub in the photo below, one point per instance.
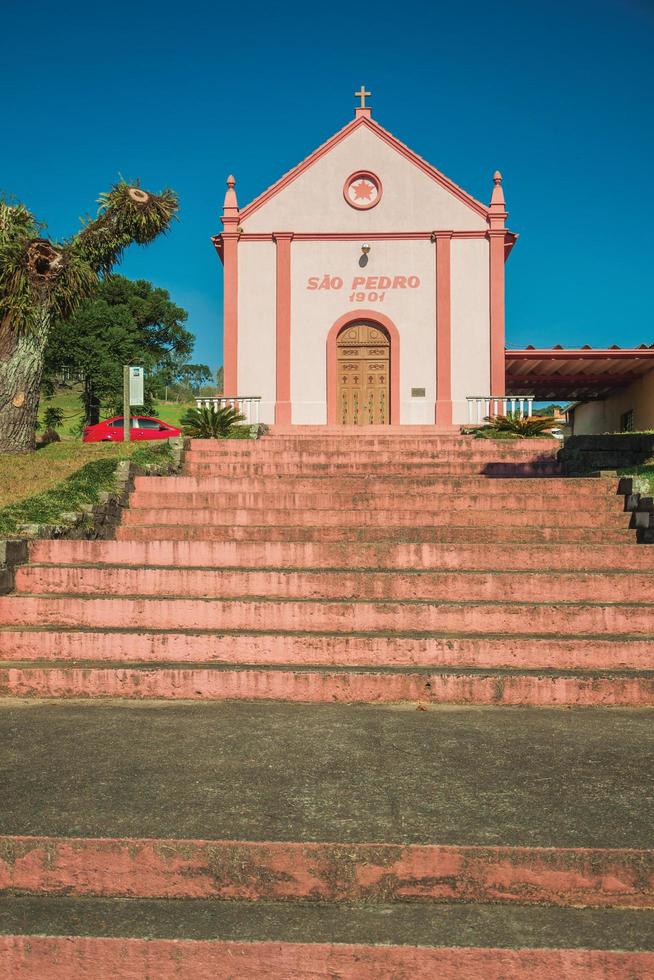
(210, 423)
(517, 425)
(488, 433)
(52, 419)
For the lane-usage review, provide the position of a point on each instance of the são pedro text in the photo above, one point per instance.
(371, 288)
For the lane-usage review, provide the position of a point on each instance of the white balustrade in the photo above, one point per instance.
(481, 406)
(247, 405)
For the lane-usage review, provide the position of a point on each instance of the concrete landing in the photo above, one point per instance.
(296, 772)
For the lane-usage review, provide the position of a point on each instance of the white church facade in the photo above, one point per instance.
(364, 287)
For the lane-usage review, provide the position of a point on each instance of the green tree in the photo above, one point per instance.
(42, 281)
(220, 379)
(195, 376)
(550, 410)
(125, 322)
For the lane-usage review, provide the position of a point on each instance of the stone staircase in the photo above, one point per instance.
(303, 718)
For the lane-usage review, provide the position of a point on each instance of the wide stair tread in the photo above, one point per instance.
(446, 924)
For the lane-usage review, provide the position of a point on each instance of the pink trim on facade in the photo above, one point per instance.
(356, 316)
(230, 311)
(496, 304)
(497, 234)
(443, 407)
(392, 141)
(283, 328)
(353, 236)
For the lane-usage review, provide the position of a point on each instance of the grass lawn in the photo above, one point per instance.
(171, 412)
(67, 399)
(26, 474)
(37, 487)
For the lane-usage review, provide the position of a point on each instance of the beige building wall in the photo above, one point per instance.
(256, 335)
(412, 310)
(314, 311)
(605, 415)
(411, 200)
(470, 323)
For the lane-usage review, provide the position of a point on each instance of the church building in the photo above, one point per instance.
(364, 287)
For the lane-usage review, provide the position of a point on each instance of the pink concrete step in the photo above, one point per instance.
(313, 555)
(335, 468)
(411, 500)
(347, 431)
(420, 454)
(380, 483)
(360, 872)
(367, 517)
(271, 615)
(33, 957)
(406, 444)
(454, 586)
(526, 652)
(358, 534)
(399, 439)
(328, 684)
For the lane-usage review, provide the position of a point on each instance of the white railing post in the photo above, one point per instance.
(248, 405)
(482, 406)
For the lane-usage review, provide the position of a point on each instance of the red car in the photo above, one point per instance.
(141, 427)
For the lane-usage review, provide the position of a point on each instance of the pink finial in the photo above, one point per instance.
(497, 198)
(230, 207)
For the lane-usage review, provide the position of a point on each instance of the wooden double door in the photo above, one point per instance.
(363, 362)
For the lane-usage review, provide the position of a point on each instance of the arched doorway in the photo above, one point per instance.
(363, 363)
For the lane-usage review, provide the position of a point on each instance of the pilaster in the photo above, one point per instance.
(230, 237)
(497, 240)
(283, 328)
(443, 252)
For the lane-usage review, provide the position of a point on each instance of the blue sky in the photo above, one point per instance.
(557, 95)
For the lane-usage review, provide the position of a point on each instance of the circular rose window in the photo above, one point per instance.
(362, 190)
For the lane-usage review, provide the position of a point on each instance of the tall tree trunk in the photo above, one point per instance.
(91, 403)
(21, 367)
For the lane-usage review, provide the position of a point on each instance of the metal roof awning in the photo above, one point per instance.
(575, 374)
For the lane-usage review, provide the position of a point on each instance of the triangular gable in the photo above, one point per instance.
(388, 138)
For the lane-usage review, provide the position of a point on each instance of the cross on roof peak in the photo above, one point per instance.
(361, 94)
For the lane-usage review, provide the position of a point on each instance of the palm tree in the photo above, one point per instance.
(528, 427)
(210, 423)
(41, 280)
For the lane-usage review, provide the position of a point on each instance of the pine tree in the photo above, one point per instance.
(124, 322)
(42, 280)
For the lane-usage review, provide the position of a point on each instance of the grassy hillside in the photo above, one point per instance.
(25, 475)
(38, 487)
(67, 399)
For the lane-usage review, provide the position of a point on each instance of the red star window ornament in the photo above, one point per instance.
(362, 190)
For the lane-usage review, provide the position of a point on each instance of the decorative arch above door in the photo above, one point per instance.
(363, 370)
